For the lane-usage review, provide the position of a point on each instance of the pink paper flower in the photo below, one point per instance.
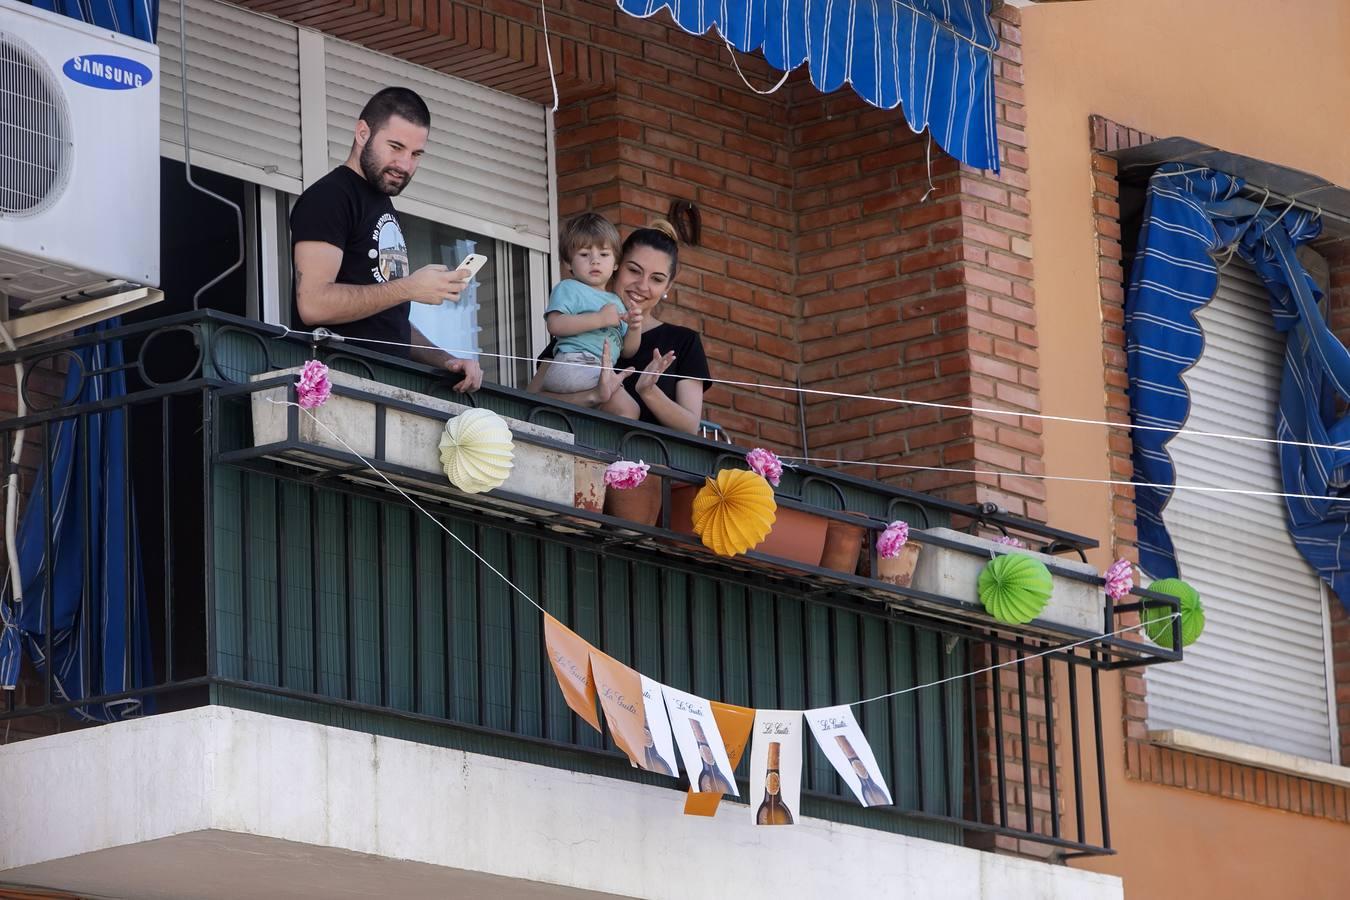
(624, 475)
(892, 539)
(1010, 541)
(314, 388)
(1119, 579)
(766, 463)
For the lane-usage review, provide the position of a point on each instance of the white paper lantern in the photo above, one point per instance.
(476, 451)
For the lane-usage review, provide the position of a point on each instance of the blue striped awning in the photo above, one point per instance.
(930, 57)
(134, 18)
(1192, 214)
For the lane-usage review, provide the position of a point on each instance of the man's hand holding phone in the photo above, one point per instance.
(435, 284)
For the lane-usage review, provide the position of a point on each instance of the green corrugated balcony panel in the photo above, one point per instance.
(367, 614)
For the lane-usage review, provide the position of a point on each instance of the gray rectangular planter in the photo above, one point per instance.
(955, 573)
(413, 439)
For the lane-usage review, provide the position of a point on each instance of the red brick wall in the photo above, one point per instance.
(1340, 657)
(915, 282)
(821, 259)
(679, 124)
(1337, 255)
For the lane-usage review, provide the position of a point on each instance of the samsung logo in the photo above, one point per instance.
(109, 73)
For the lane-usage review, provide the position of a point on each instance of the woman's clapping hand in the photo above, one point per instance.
(653, 371)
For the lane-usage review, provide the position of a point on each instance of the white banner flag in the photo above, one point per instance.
(700, 742)
(776, 766)
(838, 734)
(660, 745)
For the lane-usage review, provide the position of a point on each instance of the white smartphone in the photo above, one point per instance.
(473, 262)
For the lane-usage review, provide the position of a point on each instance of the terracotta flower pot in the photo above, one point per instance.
(589, 485)
(843, 544)
(641, 504)
(798, 536)
(900, 570)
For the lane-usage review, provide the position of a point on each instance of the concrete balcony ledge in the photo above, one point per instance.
(216, 802)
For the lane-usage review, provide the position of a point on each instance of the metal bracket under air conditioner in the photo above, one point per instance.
(38, 320)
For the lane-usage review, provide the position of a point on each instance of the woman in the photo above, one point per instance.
(669, 389)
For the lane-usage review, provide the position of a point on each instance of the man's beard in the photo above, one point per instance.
(376, 176)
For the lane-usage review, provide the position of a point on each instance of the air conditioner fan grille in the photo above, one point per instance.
(35, 140)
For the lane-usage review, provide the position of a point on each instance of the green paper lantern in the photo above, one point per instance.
(1158, 619)
(1014, 588)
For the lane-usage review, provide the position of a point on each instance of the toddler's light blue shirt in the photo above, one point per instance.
(572, 297)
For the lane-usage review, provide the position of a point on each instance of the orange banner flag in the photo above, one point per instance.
(735, 723)
(620, 692)
(570, 655)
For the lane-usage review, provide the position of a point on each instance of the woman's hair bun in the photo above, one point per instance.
(666, 228)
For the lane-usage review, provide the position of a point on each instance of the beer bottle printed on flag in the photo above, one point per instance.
(704, 754)
(711, 778)
(655, 761)
(776, 763)
(773, 810)
(871, 794)
(842, 741)
(658, 747)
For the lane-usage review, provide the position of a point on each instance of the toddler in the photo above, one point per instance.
(582, 315)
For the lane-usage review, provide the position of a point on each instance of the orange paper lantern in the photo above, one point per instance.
(734, 513)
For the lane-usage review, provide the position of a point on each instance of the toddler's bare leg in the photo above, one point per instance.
(621, 403)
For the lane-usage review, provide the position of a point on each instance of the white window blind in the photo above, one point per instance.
(486, 166)
(1259, 672)
(244, 101)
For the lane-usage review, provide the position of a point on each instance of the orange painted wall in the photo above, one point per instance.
(1265, 78)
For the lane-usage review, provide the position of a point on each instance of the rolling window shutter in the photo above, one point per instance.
(244, 72)
(487, 158)
(1258, 674)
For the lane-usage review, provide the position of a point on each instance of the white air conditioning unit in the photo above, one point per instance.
(79, 172)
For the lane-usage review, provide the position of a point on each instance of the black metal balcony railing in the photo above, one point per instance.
(294, 584)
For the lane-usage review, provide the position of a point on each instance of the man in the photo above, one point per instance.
(351, 261)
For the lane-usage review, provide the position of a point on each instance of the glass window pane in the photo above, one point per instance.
(492, 317)
(473, 327)
(457, 328)
(522, 367)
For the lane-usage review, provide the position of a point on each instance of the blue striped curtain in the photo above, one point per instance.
(91, 590)
(1190, 215)
(930, 57)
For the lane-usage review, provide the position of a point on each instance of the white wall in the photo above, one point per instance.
(245, 773)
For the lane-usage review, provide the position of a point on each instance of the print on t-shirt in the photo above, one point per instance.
(391, 259)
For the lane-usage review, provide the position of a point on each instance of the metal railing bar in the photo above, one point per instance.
(203, 320)
(1051, 765)
(999, 757)
(1076, 743)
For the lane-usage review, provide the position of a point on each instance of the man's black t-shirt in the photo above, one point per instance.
(342, 209)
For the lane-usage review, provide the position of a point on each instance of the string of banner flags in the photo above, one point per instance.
(655, 725)
(323, 334)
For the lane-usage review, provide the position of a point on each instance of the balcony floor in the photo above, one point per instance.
(224, 865)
